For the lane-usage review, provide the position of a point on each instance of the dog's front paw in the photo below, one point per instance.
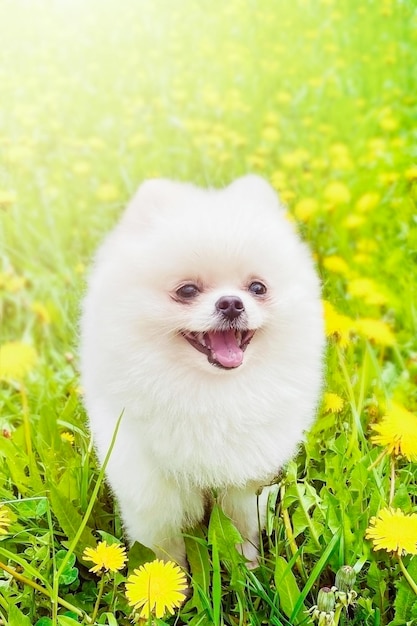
(251, 554)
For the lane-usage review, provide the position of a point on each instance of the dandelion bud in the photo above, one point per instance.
(326, 600)
(345, 578)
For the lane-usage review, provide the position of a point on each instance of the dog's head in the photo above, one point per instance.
(212, 276)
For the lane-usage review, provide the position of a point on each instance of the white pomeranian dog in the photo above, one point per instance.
(203, 326)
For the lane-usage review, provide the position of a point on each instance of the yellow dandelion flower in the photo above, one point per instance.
(296, 158)
(278, 179)
(377, 146)
(107, 192)
(338, 149)
(393, 531)
(375, 330)
(367, 290)
(305, 209)
(287, 196)
(340, 157)
(283, 97)
(366, 245)
(333, 403)
(398, 432)
(69, 437)
(108, 558)
(7, 198)
(398, 143)
(388, 121)
(41, 311)
(368, 202)
(361, 259)
(256, 160)
(336, 194)
(16, 360)
(271, 134)
(337, 325)
(156, 588)
(325, 129)
(81, 168)
(20, 154)
(344, 163)
(272, 118)
(353, 221)
(11, 282)
(137, 140)
(411, 173)
(318, 164)
(96, 143)
(336, 264)
(315, 81)
(389, 178)
(4, 519)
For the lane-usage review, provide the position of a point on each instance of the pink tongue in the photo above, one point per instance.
(225, 348)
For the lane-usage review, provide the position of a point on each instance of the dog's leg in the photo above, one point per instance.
(248, 513)
(155, 514)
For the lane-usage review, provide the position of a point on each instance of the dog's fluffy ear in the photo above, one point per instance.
(256, 190)
(151, 198)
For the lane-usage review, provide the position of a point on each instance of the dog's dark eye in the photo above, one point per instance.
(186, 292)
(257, 288)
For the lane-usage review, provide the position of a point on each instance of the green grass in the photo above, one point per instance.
(98, 96)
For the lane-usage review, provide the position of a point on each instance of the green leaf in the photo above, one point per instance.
(69, 573)
(17, 618)
(31, 508)
(377, 581)
(226, 535)
(405, 598)
(109, 618)
(287, 588)
(402, 499)
(70, 520)
(271, 508)
(61, 555)
(64, 620)
(299, 522)
(108, 538)
(216, 591)
(138, 555)
(199, 560)
(16, 462)
(44, 621)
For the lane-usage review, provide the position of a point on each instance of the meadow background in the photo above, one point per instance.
(318, 96)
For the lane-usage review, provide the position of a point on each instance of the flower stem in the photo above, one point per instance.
(26, 423)
(98, 600)
(407, 576)
(377, 460)
(392, 481)
(290, 535)
(337, 614)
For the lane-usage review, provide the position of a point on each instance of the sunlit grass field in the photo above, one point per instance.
(319, 97)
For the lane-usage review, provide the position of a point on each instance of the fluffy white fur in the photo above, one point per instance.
(190, 426)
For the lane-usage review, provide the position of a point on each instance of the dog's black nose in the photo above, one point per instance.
(230, 306)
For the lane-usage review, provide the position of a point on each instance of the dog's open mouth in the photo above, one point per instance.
(223, 348)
